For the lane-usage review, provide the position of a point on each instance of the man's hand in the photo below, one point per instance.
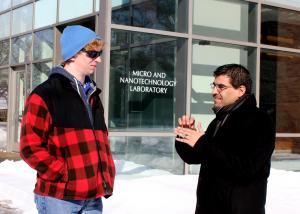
(190, 134)
(186, 122)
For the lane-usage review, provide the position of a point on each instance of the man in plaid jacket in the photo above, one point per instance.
(64, 136)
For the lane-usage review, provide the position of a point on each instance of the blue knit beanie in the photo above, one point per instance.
(74, 38)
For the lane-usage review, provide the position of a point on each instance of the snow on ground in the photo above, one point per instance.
(147, 190)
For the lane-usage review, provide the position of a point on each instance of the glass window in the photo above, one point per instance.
(5, 25)
(97, 2)
(5, 4)
(170, 15)
(145, 155)
(3, 95)
(16, 2)
(43, 44)
(69, 10)
(45, 13)
(231, 19)
(40, 73)
(4, 52)
(21, 49)
(207, 56)
(3, 136)
(3, 107)
(22, 19)
(293, 3)
(147, 81)
(287, 154)
(280, 27)
(279, 89)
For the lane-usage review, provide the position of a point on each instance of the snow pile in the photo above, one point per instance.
(139, 189)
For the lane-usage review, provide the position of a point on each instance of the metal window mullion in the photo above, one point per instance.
(10, 121)
(225, 41)
(22, 4)
(10, 22)
(33, 15)
(189, 68)
(57, 11)
(30, 67)
(253, 1)
(104, 26)
(277, 48)
(287, 135)
(148, 30)
(258, 50)
(32, 34)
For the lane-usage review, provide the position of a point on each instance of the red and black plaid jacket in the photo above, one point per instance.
(72, 157)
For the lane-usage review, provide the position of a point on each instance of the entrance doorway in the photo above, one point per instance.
(19, 88)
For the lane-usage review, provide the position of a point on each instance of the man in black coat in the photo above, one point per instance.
(235, 150)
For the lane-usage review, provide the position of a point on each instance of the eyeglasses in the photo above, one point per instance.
(92, 54)
(219, 87)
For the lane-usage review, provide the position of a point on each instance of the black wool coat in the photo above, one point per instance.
(235, 160)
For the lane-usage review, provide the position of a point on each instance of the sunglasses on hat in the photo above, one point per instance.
(92, 54)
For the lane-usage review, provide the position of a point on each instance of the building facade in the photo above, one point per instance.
(157, 65)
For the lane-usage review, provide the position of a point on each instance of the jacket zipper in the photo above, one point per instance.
(104, 183)
(100, 167)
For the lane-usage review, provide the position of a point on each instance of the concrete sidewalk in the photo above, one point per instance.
(286, 160)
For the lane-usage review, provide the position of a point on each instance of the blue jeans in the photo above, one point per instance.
(50, 205)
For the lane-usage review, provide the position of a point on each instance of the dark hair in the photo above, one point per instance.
(238, 74)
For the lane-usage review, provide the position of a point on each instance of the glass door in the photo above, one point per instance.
(18, 99)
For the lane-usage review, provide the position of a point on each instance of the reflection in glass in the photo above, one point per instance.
(280, 27)
(5, 25)
(203, 65)
(231, 19)
(279, 89)
(79, 9)
(170, 15)
(22, 19)
(45, 13)
(292, 3)
(43, 44)
(135, 155)
(16, 2)
(3, 94)
(5, 4)
(4, 52)
(146, 77)
(21, 49)
(40, 73)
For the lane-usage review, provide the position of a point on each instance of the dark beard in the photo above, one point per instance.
(216, 109)
(231, 106)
